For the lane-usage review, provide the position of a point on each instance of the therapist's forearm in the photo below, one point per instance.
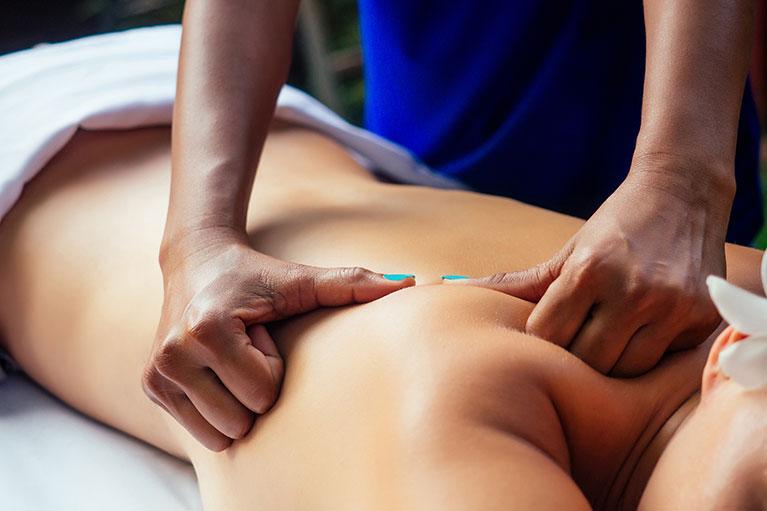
(698, 55)
(235, 56)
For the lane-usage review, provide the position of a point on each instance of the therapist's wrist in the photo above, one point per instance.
(182, 245)
(688, 126)
(688, 176)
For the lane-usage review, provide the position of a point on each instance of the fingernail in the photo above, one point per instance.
(454, 277)
(398, 276)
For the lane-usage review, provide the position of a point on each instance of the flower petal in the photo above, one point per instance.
(745, 362)
(745, 311)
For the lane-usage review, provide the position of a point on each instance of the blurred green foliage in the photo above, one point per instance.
(343, 23)
(761, 239)
(343, 28)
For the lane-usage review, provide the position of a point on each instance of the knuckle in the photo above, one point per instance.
(549, 271)
(586, 259)
(544, 273)
(204, 326)
(298, 274)
(581, 269)
(579, 275)
(678, 290)
(152, 383)
(168, 355)
(649, 288)
(638, 290)
(498, 278)
(353, 274)
(296, 290)
(304, 295)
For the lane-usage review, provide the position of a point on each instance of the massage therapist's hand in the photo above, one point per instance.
(630, 285)
(213, 364)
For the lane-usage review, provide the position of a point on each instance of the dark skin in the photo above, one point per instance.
(630, 285)
(625, 289)
(212, 367)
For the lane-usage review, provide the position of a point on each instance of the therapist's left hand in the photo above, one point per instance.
(630, 284)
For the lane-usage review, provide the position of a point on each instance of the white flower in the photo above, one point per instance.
(746, 361)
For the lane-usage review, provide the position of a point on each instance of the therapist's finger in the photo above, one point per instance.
(562, 311)
(251, 369)
(216, 404)
(306, 288)
(530, 284)
(644, 350)
(188, 369)
(172, 399)
(601, 342)
(263, 342)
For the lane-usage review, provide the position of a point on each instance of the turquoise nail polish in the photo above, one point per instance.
(454, 277)
(398, 276)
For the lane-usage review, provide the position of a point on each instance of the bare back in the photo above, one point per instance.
(83, 293)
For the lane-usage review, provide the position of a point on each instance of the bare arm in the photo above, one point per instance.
(213, 366)
(698, 54)
(631, 283)
(235, 56)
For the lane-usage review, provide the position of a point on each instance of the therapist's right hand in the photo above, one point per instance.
(213, 365)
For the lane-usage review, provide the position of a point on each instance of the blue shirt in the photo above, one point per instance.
(535, 100)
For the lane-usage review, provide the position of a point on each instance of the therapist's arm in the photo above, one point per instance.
(213, 366)
(630, 285)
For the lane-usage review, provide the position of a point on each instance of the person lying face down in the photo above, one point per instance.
(432, 397)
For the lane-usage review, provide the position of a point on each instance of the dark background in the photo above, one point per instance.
(327, 59)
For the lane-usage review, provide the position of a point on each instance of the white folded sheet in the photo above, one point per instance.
(126, 80)
(51, 457)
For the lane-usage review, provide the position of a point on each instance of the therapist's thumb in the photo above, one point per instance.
(529, 284)
(343, 286)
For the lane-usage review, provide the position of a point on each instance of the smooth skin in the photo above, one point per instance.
(630, 280)
(718, 458)
(429, 398)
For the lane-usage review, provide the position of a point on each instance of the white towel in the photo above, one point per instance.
(127, 80)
